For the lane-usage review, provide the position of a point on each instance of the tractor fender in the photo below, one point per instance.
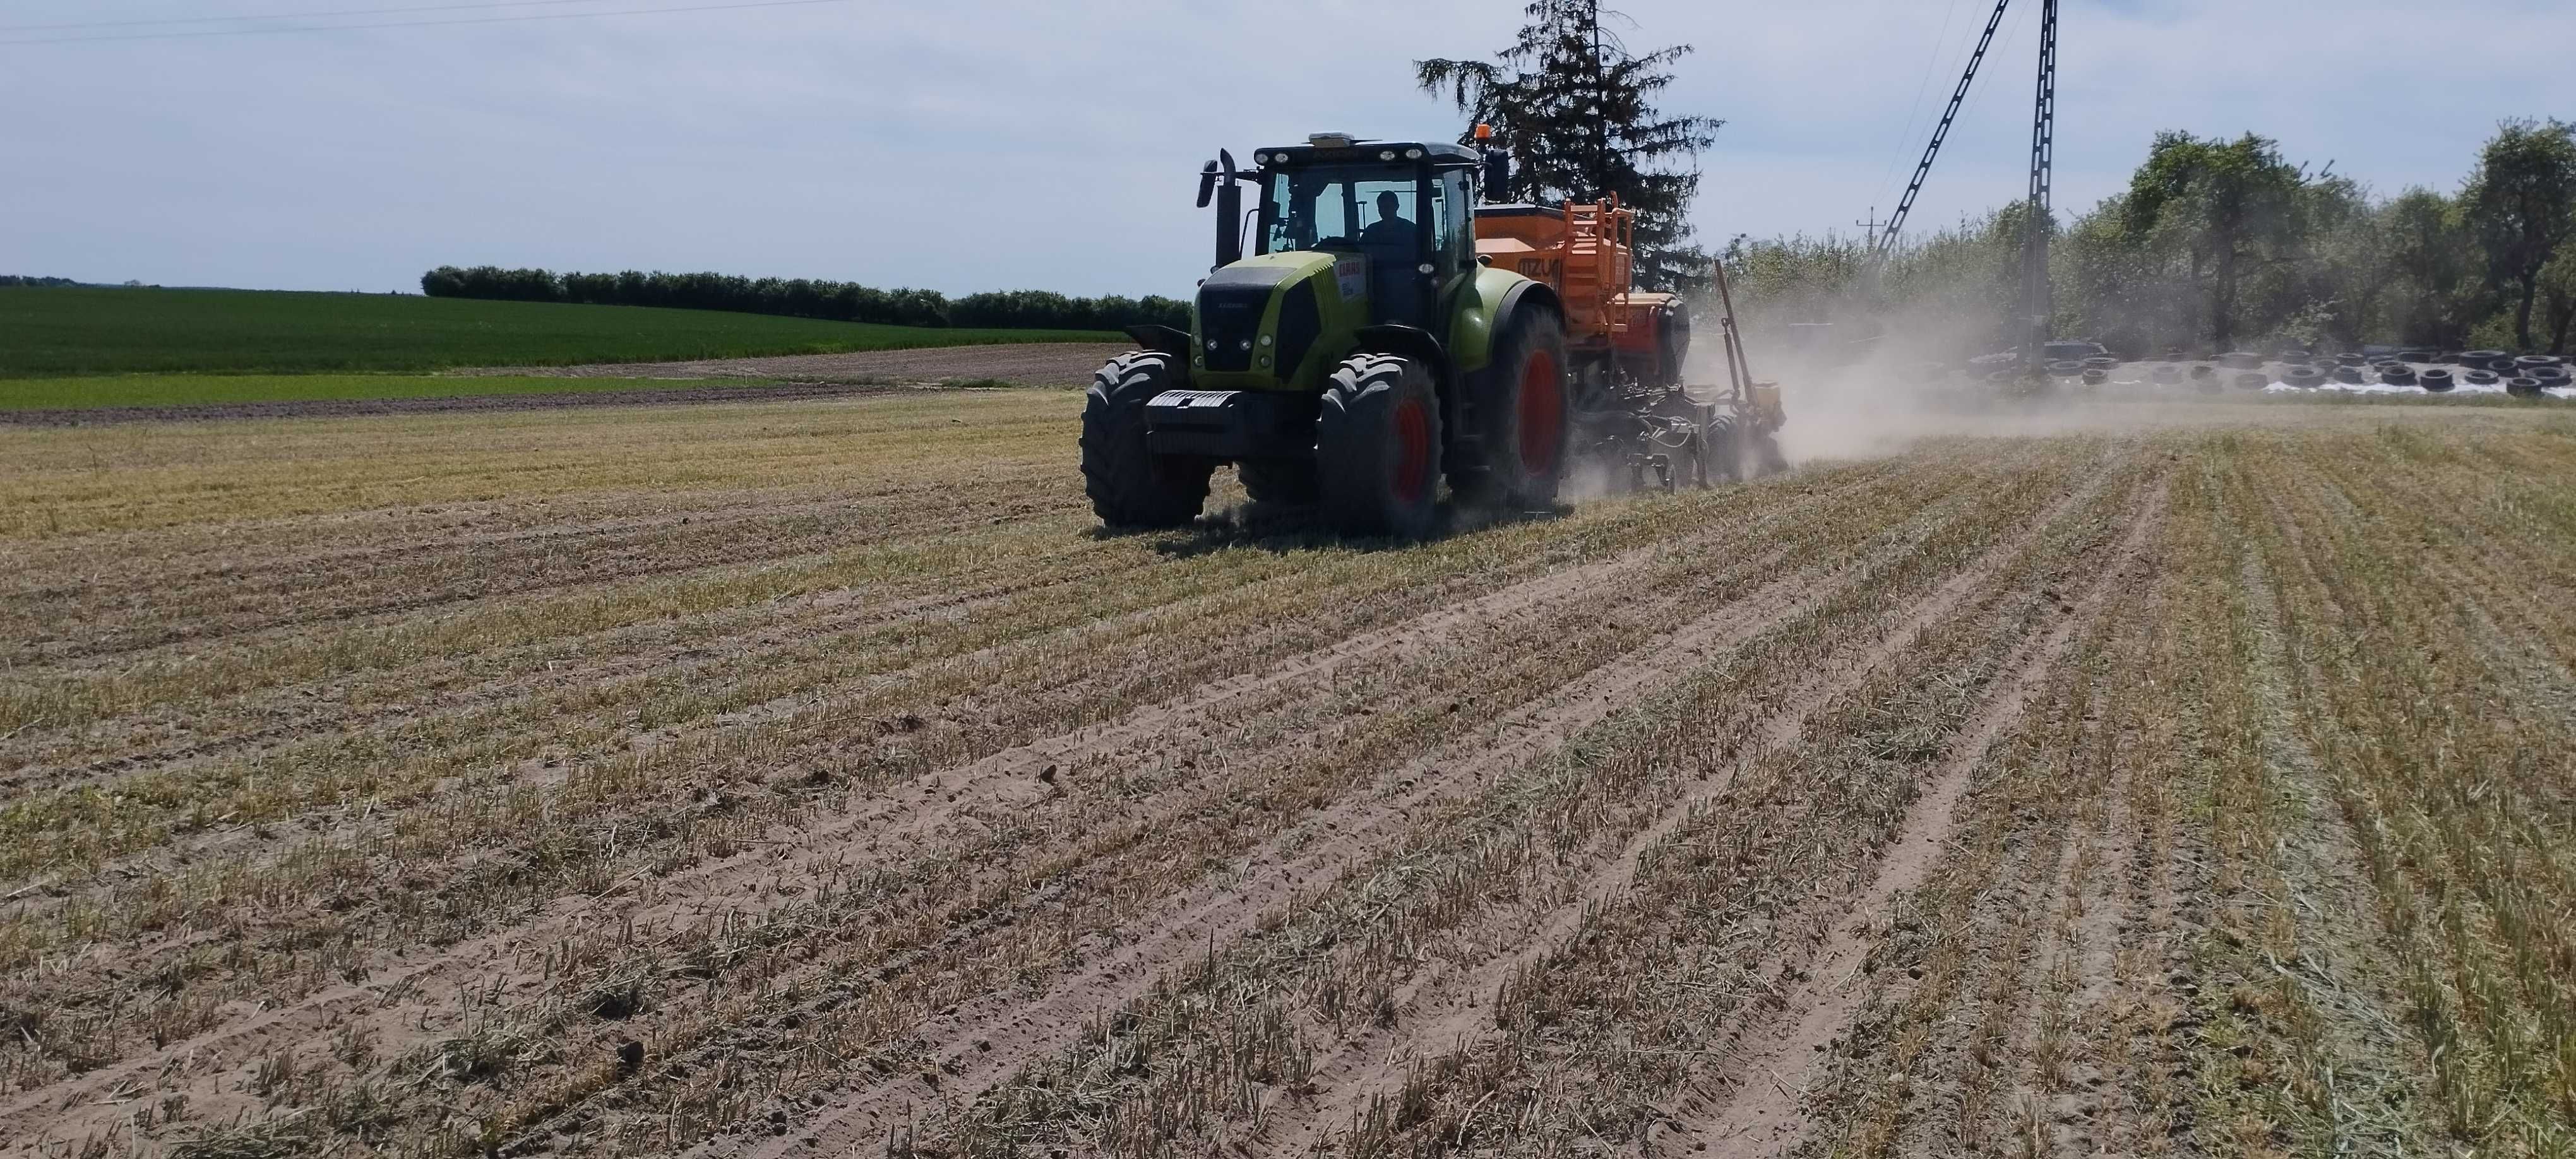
(1526, 295)
(1507, 311)
(1412, 342)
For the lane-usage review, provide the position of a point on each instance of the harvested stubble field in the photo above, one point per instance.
(811, 779)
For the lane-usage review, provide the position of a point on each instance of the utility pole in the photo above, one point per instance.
(1871, 224)
(2036, 306)
(1940, 133)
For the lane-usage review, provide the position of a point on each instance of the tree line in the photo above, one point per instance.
(2219, 243)
(808, 298)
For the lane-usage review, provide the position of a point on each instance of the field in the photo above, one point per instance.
(64, 331)
(185, 390)
(814, 778)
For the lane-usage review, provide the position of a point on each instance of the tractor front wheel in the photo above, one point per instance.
(1377, 447)
(1129, 487)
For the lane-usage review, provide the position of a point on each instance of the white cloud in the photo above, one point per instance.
(980, 143)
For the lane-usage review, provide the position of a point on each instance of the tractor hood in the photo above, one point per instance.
(1258, 323)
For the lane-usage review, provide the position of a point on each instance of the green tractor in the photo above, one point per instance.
(1359, 356)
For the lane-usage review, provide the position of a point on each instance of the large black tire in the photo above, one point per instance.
(1377, 447)
(1129, 486)
(1278, 480)
(1523, 418)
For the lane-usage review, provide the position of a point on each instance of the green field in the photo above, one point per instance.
(61, 331)
(159, 390)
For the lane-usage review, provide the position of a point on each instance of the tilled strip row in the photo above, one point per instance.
(1255, 962)
(758, 701)
(643, 585)
(1091, 867)
(1870, 1068)
(414, 678)
(1601, 948)
(1330, 849)
(251, 602)
(230, 901)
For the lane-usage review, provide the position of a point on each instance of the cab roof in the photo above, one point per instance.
(1439, 153)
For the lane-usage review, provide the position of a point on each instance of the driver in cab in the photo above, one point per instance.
(1388, 244)
(1390, 234)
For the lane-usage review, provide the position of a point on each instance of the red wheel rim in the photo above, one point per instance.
(1412, 451)
(1542, 413)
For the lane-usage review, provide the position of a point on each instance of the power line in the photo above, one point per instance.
(290, 15)
(1905, 136)
(420, 23)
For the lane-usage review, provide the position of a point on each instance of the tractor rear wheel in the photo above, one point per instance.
(1278, 480)
(1377, 447)
(1128, 485)
(1523, 418)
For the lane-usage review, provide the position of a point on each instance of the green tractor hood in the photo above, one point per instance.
(1277, 321)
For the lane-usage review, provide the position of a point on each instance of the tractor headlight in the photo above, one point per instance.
(1211, 344)
(1265, 340)
(1265, 362)
(1413, 154)
(1424, 268)
(1386, 154)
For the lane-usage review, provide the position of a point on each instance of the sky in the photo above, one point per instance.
(964, 145)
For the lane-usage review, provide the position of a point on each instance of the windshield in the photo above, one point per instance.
(1340, 207)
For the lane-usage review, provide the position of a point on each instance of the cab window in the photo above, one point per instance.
(1336, 207)
(1453, 234)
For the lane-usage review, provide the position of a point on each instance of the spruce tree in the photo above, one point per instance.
(1574, 106)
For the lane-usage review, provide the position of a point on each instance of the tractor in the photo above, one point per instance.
(1389, 331)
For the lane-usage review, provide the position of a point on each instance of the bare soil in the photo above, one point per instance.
(818, 779)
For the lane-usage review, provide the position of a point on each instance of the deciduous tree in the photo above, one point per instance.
(2522, 202)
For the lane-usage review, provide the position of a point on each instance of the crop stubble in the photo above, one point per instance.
(796, 778)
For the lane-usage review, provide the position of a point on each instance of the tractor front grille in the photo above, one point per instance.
(1230, 322)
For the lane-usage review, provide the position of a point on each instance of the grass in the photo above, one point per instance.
(180, 390)
(629, 780)
(52, 332)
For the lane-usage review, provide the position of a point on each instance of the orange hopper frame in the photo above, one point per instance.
(1585, 252)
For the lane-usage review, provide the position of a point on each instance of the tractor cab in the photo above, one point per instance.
(1396, 216)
